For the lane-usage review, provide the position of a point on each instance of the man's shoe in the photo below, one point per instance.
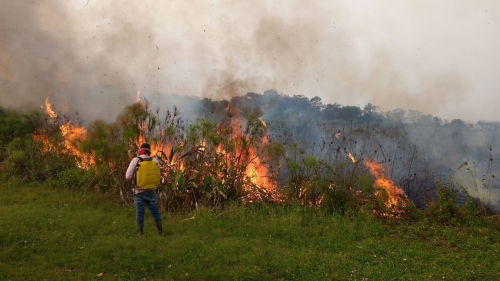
(140, 228)
(159, 227)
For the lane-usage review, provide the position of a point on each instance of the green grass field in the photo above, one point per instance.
(47, 233)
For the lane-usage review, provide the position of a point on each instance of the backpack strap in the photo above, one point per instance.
(134, 175)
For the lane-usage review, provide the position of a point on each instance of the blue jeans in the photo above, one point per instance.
(150, 199)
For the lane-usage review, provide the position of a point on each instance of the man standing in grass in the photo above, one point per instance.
(144, 171)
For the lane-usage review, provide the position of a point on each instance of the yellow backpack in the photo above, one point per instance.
(147, 175)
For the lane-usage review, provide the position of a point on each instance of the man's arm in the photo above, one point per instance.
(131, 168)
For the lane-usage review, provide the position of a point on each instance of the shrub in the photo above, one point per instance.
(444, 210)
(74, 178)
(471, 213)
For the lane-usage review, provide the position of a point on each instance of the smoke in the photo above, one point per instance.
(478, 186)
(460, 153)
(92, 56)
(47, 58)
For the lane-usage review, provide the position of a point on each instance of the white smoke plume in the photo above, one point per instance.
(440, 58)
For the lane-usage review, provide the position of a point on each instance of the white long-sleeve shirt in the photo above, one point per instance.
(131, 169)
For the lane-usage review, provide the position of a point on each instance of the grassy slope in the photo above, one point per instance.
(51, 234)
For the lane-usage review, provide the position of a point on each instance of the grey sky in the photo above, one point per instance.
(439, 57)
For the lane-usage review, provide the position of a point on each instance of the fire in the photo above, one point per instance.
(256, 171)
(395, 194)
(243, 163)
(71, 134)
(263, 123)
(48, 109)
(44, 140)
(202, 146)
(220, 149)
(138, 96)
(352, 157)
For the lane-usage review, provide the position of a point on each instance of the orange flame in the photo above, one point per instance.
(202, 146)
(46, 147)
(72, 135)
(395, 193)
(263, 123)
(256, 170)
(48, 109)
(138, 95)
(257, 173)
(352, 157)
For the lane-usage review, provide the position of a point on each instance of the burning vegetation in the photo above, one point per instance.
(234, 153)
(223, 158)
(210, 162)
(72, 136)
